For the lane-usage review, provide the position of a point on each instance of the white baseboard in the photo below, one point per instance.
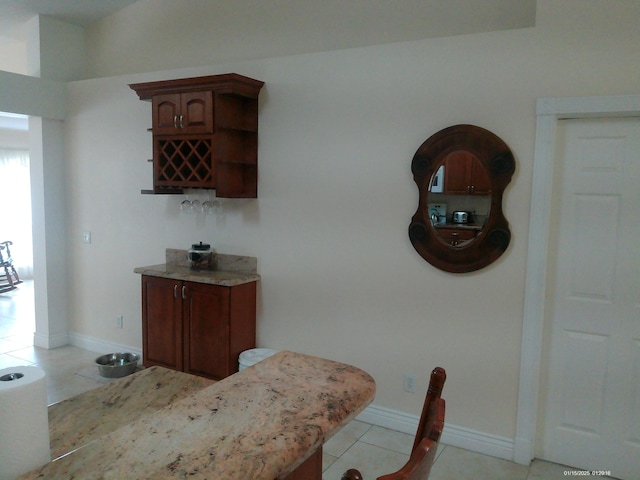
(522, 451)
(50, 341)
(389, 418)
(99, 346)
(479, 442)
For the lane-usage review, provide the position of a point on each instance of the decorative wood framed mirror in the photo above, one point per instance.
(461, 173)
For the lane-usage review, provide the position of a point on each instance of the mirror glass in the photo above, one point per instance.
(459, 198)
(461, 173)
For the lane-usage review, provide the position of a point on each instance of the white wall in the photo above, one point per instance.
(338, 130)
(55, 49)
(153, 33)
(32, 96)
(49, 219)
(13, 56)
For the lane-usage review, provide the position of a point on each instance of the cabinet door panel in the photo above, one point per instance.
(166, 111)
(480, 180)
(456, 174)
(197, 112)
(206, 330)
(465, 175)
(161, 323)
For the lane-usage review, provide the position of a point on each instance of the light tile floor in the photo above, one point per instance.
(377, 451)
(373, 450)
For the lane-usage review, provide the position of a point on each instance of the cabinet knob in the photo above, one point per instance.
(184, 292)
(175, 121)
(181, 121)
(175, 290)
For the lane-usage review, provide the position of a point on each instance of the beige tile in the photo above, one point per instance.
(28, 354)
(5, 330)
(7, 361)
(58, 361)
(372, 461)
(7, 346)
(457, 464)
(541, 470)
(59, 389)
(341, 441)
(327, 461)
(441, 448)
(389, 439)
(21, 339)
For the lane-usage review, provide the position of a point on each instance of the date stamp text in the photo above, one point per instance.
(587, 473)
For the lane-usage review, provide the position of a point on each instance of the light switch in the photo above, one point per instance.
(86, 237)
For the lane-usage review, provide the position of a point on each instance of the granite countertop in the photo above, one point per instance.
(84, 418)
(214, 277)
(260, 424)
(230, 270)
(460, 226)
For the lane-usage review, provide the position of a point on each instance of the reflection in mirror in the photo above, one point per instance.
(460, 185)
(461, 173)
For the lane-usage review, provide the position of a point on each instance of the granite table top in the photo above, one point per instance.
(82, 419)
(260, 424)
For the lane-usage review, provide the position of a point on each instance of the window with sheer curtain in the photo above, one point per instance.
(15, 208)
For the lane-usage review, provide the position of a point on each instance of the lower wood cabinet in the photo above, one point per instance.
(456, 236)
(197, 328)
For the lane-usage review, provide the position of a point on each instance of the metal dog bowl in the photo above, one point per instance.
(116, 365)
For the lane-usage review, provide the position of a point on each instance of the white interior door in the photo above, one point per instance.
(592, 409)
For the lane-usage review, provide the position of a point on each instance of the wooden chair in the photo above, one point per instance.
(427, 438)
(9, 279)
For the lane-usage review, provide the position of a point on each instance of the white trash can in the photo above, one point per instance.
(253, 356)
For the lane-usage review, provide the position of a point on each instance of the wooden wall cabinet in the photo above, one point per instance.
(464, 174)
(180, 114)
(205, 134)
(197, 328)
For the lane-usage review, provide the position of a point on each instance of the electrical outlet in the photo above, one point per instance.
(86, 237)
(409, 383)
(119, 321)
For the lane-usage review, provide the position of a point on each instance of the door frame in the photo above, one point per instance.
(548, 112)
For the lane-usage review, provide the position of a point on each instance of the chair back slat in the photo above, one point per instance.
(428, 416)
(425, 446)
